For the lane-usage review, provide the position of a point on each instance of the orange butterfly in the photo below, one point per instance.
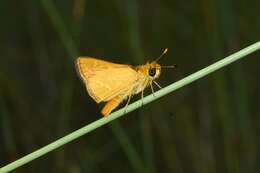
(112, 83)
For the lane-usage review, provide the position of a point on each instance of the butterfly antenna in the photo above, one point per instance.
(169, 66)
(164, 52)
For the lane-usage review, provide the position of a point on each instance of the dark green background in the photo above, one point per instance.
(210, 126)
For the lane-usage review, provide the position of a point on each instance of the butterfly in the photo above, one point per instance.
(112, 83)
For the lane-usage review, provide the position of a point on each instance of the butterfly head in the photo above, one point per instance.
(153, 70)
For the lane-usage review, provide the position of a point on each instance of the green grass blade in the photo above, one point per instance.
(102, 121)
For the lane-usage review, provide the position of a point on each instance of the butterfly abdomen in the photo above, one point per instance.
(111, 105)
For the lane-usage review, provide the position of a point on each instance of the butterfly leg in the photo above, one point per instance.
(142, 97)
(151, 85)
(157, 84)
(128, 101)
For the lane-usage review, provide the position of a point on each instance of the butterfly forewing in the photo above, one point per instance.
(105, 80)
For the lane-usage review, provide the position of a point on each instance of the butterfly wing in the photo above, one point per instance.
(105, 80)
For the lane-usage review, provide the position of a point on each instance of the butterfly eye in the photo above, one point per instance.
(152, 72)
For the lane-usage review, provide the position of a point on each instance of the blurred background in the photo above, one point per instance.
(211, 125)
